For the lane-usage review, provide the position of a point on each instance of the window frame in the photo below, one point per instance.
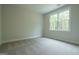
(58, 11)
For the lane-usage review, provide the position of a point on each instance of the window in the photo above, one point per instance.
(60, 21)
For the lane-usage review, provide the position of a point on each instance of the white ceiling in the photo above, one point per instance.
(41, 8)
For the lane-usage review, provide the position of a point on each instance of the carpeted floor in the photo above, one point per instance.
(39, 46)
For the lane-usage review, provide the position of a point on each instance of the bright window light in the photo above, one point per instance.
(59, 21)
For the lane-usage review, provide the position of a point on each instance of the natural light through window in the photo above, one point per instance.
(60, 21)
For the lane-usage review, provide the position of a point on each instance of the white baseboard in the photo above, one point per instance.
(21, 39)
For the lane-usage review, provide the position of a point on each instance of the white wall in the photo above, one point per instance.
(20, 23)
(0, 25)
(73, 35)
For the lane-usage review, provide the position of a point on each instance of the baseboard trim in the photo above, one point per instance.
(63, 41)
(21, 39)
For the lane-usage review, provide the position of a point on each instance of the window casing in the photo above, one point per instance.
(59, 21)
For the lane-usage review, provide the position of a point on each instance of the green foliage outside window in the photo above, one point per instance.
(60, 21)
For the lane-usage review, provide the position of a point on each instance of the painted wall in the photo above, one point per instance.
(20, 23)
(71, 36)
(0, 24)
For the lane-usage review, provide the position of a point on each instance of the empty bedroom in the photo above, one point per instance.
(39, 29)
